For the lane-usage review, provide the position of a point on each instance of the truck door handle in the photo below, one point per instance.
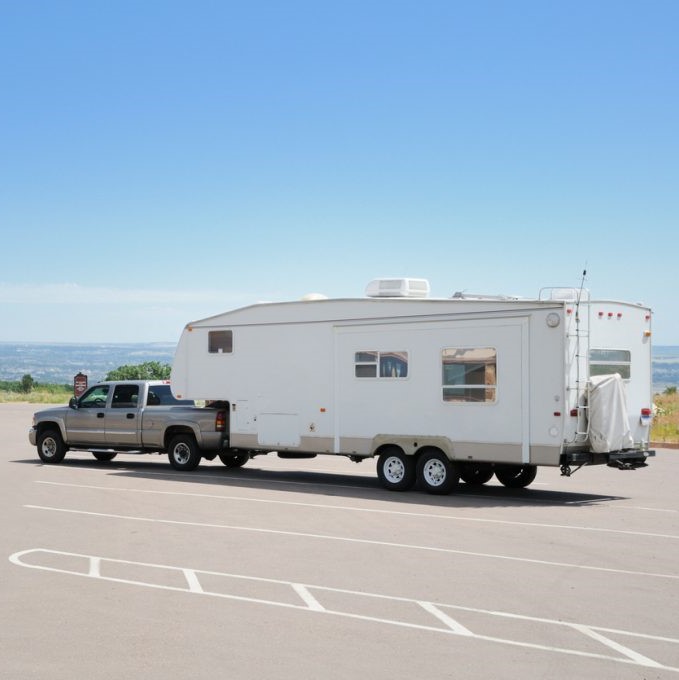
(130, 416)
(100, 415)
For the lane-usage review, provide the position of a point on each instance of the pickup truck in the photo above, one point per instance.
(134, 416)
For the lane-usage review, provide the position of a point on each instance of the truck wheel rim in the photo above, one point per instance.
(181, 453)
(434, 472)
(394, 470)
(49, 448)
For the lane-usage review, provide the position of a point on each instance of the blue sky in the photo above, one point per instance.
(165, 161)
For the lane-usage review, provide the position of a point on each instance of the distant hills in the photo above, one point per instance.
(59, 362)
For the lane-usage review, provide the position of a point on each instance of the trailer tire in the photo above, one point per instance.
(436, 474)
(396, 470)
(476, 474)
(183, 452)
(51, 447)
(104, 456)
(232, 460)
(515, 476)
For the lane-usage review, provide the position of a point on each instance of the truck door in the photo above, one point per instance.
(87, 423)
(122, 418)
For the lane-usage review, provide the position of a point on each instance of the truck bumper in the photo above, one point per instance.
(33, 436)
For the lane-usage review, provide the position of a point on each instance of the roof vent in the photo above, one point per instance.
(398, 288)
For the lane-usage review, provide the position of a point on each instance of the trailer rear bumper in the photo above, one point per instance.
(622, 460)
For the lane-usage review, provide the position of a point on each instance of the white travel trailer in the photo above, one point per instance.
(436, 389)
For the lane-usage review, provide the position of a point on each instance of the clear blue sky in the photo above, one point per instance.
(165, 161)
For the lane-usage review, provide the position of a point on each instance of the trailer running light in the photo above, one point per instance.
(646, 414)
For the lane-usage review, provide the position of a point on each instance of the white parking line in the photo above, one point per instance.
(345, 602)
(426, 515)
(364, 541)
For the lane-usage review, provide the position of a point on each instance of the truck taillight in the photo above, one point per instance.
(220, 421)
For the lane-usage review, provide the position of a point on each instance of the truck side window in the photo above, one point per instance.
(94, 398)
(371, 364)
(608, 361)
(125, 396)
(469, 374)
(220, 342)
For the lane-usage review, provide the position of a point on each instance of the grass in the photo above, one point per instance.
(665, 427)
(40, 394)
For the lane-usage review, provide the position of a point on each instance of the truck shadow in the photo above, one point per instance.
(334, 485)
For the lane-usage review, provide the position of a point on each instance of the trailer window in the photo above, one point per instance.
(608, 361)
(469, 374)
(373, 364)
(220, 342)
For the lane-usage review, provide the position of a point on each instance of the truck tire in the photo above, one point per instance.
(435, 473)
(232, 460)
(104, 456)
(51, 447)
(183, 452)
(476, 474)
(515, 476)
(396, 470)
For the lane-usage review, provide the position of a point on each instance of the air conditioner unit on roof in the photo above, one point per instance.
(408, 288)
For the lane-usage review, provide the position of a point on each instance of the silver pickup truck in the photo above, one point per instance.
(135, 416)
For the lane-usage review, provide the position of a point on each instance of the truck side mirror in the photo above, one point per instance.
(73, 403)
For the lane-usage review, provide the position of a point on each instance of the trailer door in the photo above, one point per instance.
(391, 379)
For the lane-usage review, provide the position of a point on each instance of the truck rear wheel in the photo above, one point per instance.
(234, 460)
(396, 470)
(515, 476)
(435, 473)
(183, 452)
(51, 447)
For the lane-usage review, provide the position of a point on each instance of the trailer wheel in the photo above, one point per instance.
(104, 457)
(234, 460)
(183, 452)
(395, 470)
(435, 473)
(476, 474)
(51, 447)
(515, 476)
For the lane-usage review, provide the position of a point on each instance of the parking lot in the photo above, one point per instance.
(309, 569)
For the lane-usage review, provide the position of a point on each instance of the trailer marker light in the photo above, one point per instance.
(646, 412)
(610, 315)
(574, 412)
(557, 414)
(601, 315)
(619, 315)
(647, 334)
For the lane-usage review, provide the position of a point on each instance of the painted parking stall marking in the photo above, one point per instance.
(442, 618)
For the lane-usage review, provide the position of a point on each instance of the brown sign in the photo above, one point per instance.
(79, 384)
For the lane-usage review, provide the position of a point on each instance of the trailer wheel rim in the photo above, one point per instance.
(394, 469)
(434, 472)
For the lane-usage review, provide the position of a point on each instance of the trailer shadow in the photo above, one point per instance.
(336, 485)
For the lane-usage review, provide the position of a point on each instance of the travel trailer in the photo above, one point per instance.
(436, 389)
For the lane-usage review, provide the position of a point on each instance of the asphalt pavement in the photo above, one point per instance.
(309, 569)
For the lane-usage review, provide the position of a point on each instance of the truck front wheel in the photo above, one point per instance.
(515, 476)
(51, 447)
(183, 452)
